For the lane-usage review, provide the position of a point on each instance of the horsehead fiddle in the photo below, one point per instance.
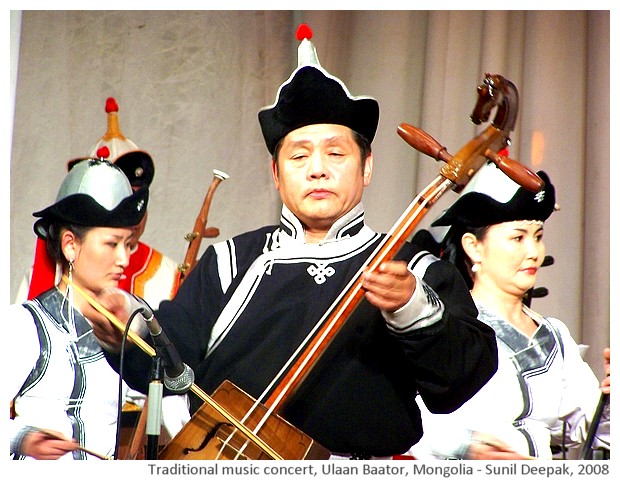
(495, 91)
(231, 424)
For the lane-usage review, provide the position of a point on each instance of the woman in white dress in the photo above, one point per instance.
(543, 393)
(63, 393)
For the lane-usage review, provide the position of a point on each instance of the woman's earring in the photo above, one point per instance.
(475, 267)
(70, 275)
(68, 297)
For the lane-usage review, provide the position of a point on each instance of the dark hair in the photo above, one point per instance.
(361, 140)
(54, 232)
(363, 143)
(452, 249)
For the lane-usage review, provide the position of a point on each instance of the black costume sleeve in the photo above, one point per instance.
(455, 357)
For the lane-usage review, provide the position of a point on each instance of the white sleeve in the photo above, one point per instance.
(22, 347)
(449, 435)
(423, 309)
(580, 395)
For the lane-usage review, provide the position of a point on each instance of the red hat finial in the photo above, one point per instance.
(103, 152)
(111, 105)
(304, 31)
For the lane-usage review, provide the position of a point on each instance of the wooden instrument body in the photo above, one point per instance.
(207, 436)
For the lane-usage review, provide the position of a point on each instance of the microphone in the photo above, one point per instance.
(178, 377)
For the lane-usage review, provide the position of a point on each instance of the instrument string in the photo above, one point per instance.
(396, 235)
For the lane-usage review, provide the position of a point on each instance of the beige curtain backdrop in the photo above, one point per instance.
(189, 85)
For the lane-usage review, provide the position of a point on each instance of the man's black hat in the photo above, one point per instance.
(312, 96)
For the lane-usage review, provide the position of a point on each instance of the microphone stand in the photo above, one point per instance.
(153, 414)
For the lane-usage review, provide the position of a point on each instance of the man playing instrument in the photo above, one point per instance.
(252, 300)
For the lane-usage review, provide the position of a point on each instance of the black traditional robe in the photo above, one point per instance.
(250, 302)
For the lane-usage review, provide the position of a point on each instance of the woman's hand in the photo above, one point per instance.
(115, 303)
(606, 383)
(488, 447)
(43, 446)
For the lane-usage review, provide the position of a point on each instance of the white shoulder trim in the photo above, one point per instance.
(226, 262)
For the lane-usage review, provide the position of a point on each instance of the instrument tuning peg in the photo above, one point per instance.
(518, 172)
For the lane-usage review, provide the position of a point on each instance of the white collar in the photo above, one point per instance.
(346, 226)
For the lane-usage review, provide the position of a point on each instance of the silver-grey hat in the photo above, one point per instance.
(94, 193)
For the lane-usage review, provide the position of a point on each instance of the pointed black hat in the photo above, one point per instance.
(312, 96)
